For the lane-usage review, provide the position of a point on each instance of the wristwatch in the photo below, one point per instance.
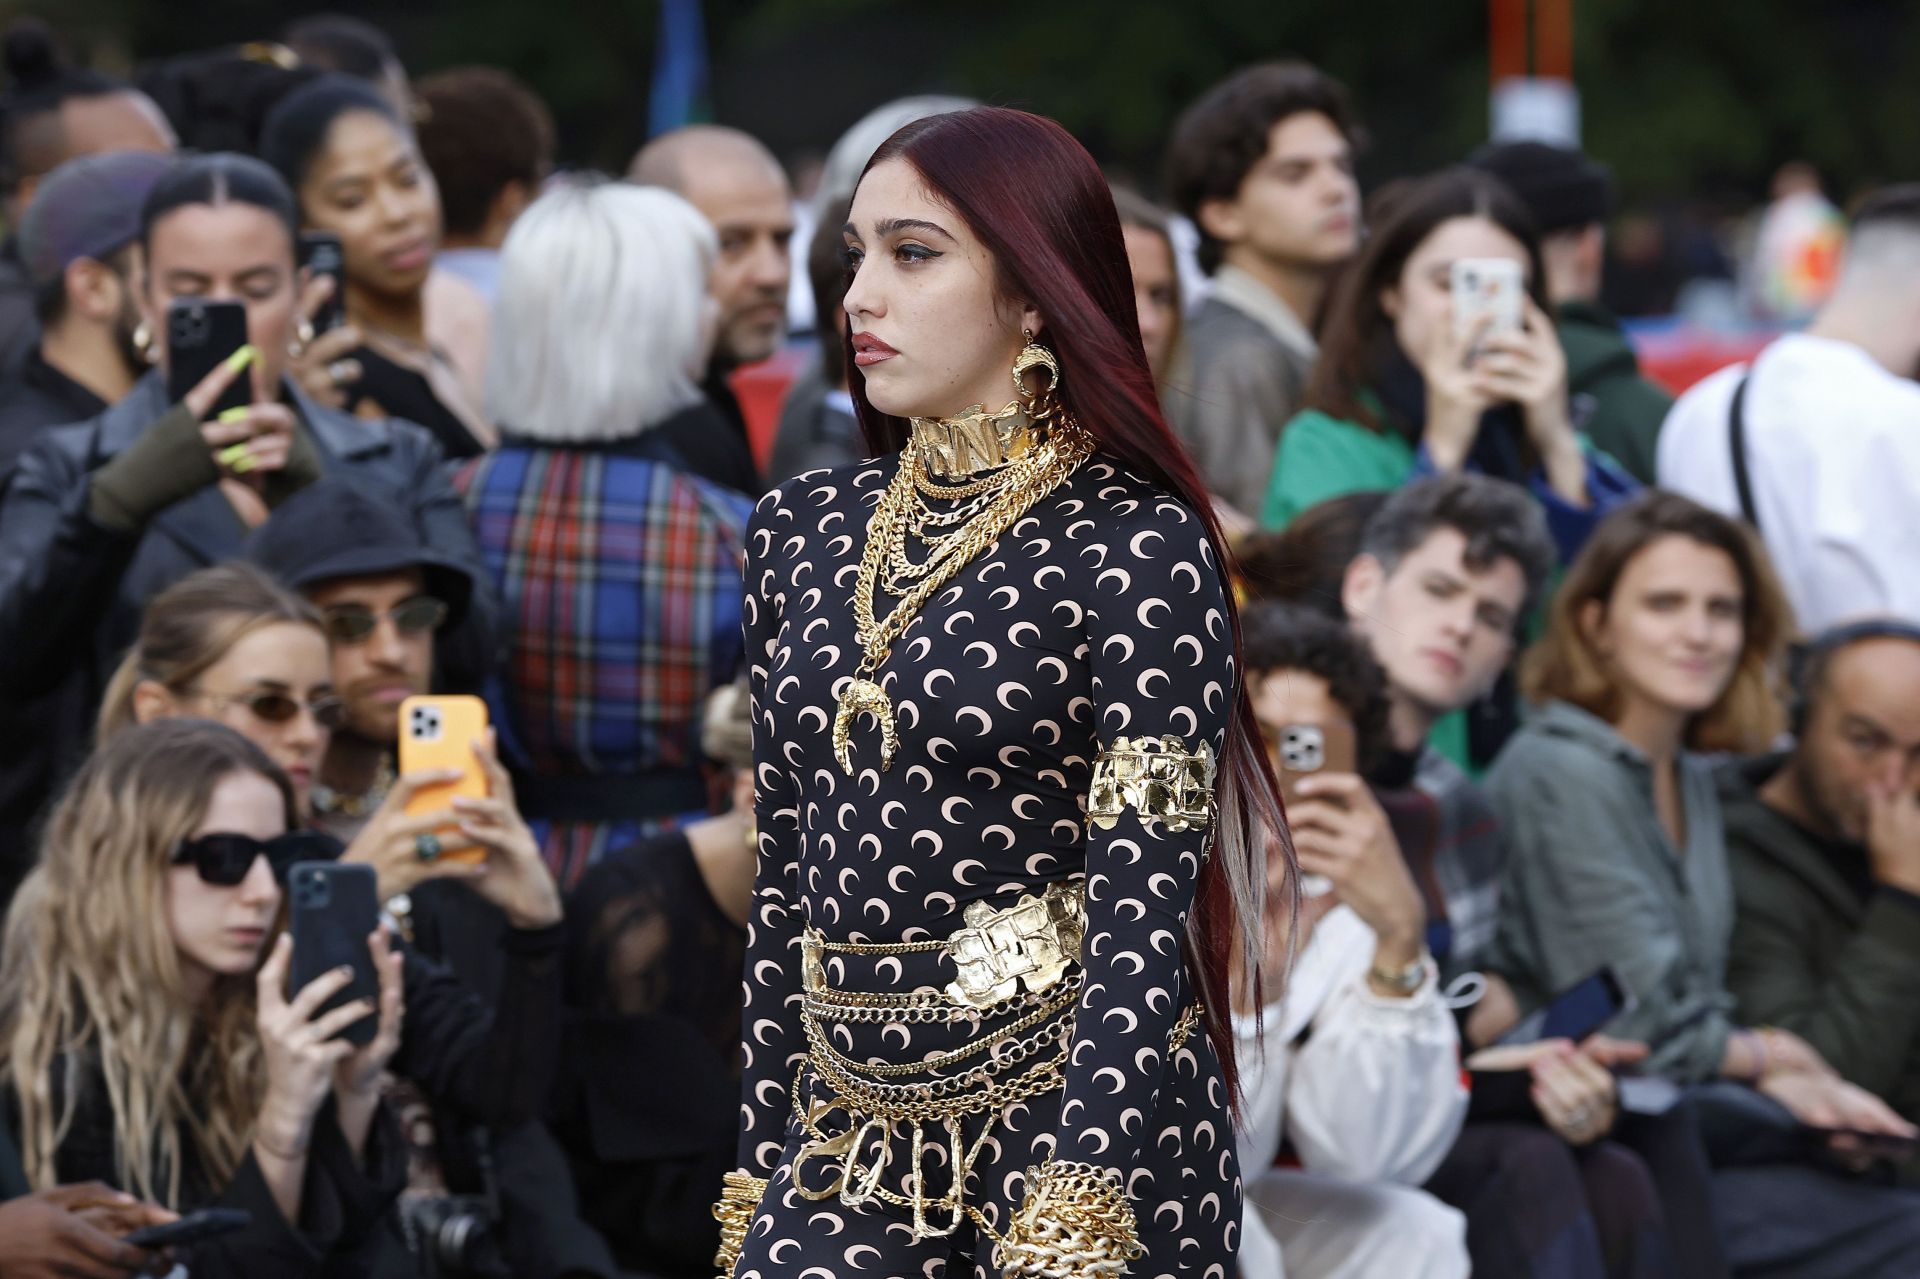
(1404, 981)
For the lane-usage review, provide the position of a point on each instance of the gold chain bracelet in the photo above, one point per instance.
(740, 1194)
(1074, 1223)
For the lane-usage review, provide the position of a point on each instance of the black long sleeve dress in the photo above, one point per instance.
(1099, 614)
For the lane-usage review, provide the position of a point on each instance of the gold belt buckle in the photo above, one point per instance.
(1032, 941)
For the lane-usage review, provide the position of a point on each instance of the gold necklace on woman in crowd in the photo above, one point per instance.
(1004, 463)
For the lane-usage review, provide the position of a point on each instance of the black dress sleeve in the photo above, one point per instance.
(770, 1023)
(1162, 667)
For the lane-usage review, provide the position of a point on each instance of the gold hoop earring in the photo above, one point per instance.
(143, 341)
(1041, 405)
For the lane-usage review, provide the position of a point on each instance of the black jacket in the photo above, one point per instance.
(71, 591)
(36, 396)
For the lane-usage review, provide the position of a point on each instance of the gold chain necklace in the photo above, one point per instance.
(1040, 471)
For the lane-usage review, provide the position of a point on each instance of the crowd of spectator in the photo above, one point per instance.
(1597, 714)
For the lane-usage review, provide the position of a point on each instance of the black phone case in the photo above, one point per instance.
(320, 253)
(334, 909)
(199, 336)
(192, 1229)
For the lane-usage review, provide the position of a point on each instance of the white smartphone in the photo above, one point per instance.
(1486, 289)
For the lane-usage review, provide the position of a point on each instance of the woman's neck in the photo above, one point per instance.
(396, 315)
(1659, 731)
(196, 982)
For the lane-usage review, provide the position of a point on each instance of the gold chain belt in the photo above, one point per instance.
(1013, 971)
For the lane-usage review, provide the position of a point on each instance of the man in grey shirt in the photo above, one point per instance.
(1263, 165)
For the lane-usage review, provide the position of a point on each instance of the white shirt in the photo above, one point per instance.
(1833, 450)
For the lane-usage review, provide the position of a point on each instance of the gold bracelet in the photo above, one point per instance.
(740, 1195)
(1074, 1223)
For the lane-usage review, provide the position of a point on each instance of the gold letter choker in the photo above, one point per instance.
(1031, 467)
(1018, 986)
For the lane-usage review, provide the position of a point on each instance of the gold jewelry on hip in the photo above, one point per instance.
(1163, 781)
(740, 1194)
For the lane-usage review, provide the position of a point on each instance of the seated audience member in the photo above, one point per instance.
(73, 1231)
(656, 947)
(1445, 569)
(1824, 847)
(1660, 647)
(152, 1043)
(1826, 458)
(475, 1007)
(78, 245)
(817, 424)
(1156, 282)
(1401, 391)
(1570, 196)
(355, 168)
(1263, 166)
(1357, 1068)
(602, 293)
(740, 188)
(489, 143)
(337, 43)
(101, 516)
(52, 113)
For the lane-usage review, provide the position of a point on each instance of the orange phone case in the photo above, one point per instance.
(439, 732)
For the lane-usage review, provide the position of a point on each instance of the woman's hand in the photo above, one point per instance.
(74, 1232)
(1827, 1101)
(1526, 367)
(358, 1074)
(1788, 1054)
(1575, 1095)
(1340, 831)
(300, 1048)
(514, 877)
(321, 368)
(1455, 396)
(389, 840)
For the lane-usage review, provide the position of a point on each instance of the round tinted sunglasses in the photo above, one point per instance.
(352, 624)
(328, 712)
(224, 859)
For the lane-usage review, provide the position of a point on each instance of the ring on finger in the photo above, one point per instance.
(339, 371)
(427, 846)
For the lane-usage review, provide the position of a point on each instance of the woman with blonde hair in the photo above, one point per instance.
(147, 1038)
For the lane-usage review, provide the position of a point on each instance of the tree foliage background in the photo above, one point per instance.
(1702, 98)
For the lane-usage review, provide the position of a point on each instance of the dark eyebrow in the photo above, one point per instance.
(893, 226)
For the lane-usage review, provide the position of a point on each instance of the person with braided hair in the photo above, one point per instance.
(1012, 809)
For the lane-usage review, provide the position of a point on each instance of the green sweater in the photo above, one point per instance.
(1818, 950)
(1627, 409)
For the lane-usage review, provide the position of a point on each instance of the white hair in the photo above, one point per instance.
(601, 327)
(841, 173)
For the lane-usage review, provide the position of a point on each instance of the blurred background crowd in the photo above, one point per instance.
(1586, 640)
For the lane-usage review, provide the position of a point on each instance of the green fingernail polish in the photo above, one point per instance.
(234, 415)
(239, 360)
(245, 464)
(231, 454)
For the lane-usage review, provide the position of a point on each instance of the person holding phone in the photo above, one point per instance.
(76, 1232)
(1661, 646)
(102, 515)
(151, 1041)
(1414, 379)
(1358, 1066)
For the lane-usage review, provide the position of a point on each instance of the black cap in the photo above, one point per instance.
(1561, 187)
(331, 530)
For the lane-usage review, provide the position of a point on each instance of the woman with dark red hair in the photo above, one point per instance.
(1012, 810)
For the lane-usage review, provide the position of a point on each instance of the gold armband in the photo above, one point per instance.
(740, 1194)
(1074, 1223)
(1162, 781)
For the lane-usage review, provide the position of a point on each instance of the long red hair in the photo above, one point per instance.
(1040, 205)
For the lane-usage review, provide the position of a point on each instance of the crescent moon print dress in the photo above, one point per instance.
(1098, 614)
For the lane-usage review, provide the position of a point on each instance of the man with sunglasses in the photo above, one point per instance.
(385, 595)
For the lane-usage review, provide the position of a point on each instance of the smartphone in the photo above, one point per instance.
(1486, 289)
(200, 337)
(1303, 750)
(335, 908)
(321, 254)
(439, 732)
(1576, 1012)
(1874, 1145)
(196, 1227)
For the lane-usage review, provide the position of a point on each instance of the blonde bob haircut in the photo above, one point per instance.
(1564, 666)
(602, 328)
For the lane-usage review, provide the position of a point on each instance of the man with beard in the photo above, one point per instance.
(740, 187)
(79, 245)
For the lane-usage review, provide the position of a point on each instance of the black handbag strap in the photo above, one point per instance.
(1737, 432)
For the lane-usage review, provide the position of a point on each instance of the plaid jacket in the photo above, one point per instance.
(620, 607)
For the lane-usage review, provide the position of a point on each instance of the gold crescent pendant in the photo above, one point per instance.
(864, 697)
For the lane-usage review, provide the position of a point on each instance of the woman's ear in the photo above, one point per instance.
(1390, 302)
(153, 700)
(1031, 320)
(1593, 616)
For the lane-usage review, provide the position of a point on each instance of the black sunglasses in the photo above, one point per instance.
(224, 859)
(353, 623)
(328, 712)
